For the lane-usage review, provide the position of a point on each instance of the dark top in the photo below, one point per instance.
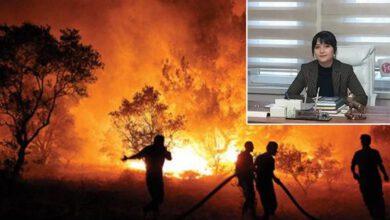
(265, 166)
(368, 161)
(244, 165)
(343, 79)
(154, 158)
(324, 81)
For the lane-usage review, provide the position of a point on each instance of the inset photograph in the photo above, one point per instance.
(322, 62)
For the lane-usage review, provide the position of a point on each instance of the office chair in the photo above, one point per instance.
(362, 59)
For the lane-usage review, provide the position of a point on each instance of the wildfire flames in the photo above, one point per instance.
(184, 159)
(187, 160)
(193, 157)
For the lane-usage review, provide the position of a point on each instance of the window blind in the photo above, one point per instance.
(356, 22)
(280, 32)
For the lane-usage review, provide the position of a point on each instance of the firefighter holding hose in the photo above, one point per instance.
(245, 175)
(264, 168)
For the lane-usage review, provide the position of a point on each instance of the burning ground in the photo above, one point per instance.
(192, 53)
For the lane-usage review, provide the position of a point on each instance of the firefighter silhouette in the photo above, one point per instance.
(245, 174)
(368, 161)
(264, 169)
(154, 155)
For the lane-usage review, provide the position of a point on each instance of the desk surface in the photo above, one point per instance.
(375, 115)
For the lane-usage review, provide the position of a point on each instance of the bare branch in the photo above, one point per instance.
(45, 123)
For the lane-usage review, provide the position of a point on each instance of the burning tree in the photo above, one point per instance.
(177, 79)
(216, 144)
(36, 71)
(56, 140)
(214, 104)
(306, 170)
(331, 168)
(211, 116)
(290, 161)
(302, 168)
(312, 171)
(139, 120)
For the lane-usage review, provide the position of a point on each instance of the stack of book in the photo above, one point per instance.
(331, 105)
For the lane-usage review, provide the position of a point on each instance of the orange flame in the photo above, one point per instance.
(185, 159)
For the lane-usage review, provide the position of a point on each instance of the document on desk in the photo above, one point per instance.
(270, 105)
(257, 114)
(340, 114)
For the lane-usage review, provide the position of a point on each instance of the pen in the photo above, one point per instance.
(318, 92)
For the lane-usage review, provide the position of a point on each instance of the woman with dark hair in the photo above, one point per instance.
(326, 73)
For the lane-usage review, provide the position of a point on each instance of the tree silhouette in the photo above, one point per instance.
(307, 169)
(331, 168)
(36, 70)
(215, 145)
(312, 171)
(139, 120)
(56, 143)
(291, 162)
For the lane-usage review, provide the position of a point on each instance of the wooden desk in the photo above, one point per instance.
(375, 115)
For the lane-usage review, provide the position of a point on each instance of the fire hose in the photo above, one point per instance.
(299, 207)
(223, 183)
(201, 202)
